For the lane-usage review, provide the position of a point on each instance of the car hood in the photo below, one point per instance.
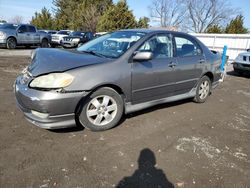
(8, 30)
(49, 60)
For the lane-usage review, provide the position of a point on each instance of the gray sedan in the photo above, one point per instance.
(120, 72)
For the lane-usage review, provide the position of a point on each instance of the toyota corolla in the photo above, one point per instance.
(112, 75)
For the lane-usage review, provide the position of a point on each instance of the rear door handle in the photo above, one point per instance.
(171, 64)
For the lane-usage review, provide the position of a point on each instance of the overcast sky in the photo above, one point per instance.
(27, 8)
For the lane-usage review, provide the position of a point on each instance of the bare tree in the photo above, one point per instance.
(16, 19)
(205, 13)
(91, 16)
(169, 13)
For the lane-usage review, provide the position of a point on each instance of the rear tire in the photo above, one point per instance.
(11, 43)
(203, 90)
(44, 43)
(239, 72)
(102, 110)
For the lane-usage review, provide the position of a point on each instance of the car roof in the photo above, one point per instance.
(153, 30)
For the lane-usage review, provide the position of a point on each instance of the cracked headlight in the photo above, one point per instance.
(52, 81)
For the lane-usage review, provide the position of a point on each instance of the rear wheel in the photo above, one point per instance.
(203, 90)
(11, 43)
(44, 43)
(240, 72)
(102, 110)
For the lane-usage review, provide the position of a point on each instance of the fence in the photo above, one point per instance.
(236, 43)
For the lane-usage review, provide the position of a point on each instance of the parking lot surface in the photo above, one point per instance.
(181, 144)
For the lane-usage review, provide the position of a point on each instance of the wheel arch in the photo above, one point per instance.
(108, 85)
(209, 75)
(11, 36)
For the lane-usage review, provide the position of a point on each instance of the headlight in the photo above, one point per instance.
(52, 81)
(2, 35)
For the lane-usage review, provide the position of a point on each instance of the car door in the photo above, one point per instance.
(155, 78)
(189, 59)
(22, 33)
(34, 37)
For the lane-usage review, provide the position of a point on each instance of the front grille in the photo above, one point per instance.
(244, 58)
(55, 37)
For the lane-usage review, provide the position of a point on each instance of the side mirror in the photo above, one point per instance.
(143, 56)
(19, 31)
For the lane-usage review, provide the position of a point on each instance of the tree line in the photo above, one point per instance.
(200, 16)
(90, 15)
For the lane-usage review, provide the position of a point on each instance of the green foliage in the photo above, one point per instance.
(77, 14)
(3, 21)
(214, 29)
(143, 22)
(236, 26)
(43, 20)
(117, 17)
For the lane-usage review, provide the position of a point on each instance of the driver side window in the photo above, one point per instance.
(22, 29)
(159, 45)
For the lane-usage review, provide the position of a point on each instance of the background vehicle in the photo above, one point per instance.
(27, 35)
(57, 38)
(242, 63)
(76, 38)
(117, 73)
(49, 32)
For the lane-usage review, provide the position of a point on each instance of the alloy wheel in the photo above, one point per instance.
(204, 89)
(101, 110)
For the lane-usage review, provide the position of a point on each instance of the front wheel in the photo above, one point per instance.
(102, 110)
(11, 43)
(203, 90)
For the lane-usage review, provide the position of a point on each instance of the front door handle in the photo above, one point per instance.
(172, 64)
(201, 61)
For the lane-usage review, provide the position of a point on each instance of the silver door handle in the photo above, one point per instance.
(171, 64)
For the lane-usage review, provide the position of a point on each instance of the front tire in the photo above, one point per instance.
(203, 89)
(102, 110)
(11, 43)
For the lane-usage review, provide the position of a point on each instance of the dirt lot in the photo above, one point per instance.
(180, 144)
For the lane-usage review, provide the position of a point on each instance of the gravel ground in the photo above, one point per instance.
(181, 144)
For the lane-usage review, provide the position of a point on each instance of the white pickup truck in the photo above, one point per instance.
(58, 37)
(12, 35)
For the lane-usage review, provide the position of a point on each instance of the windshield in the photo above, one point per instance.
(63, 32)
(77, 34)
(8, 26)
(114, 44)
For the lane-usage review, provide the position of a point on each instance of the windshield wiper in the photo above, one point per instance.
(93, 53)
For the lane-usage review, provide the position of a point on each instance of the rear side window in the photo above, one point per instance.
(185, 47)
(159, 45)
(32, 29)
(23, 29)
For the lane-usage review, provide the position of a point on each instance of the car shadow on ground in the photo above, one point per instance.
(147, 174)
(245, 74)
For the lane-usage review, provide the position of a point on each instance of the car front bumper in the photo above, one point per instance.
(48, 109)
(69, 44)
(2, 42)
(241, 66)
